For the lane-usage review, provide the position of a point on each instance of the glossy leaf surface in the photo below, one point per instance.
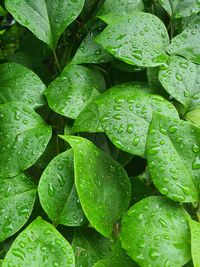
(173, 159)
(17, 197)
(101, 181)
(181, 79)
(57, 191)
(40, 244)
(23, 138)
(195, 234)
(137, 38)
(47, 19)
(74, 89)
(155, 232)
(20, 84)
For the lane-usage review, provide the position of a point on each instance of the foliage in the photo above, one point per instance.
(99, 133)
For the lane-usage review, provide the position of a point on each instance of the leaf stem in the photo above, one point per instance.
(171, 20)
(56, 60)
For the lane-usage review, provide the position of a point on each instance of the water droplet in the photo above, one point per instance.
(51, 190)
(173, 129)
(154, 150)
(196, 164)
(135, 141)
(195, 148)
(153, 254)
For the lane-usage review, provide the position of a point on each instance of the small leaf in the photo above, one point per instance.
(124, 112)
(23, 138)
(186, 44)
(89, 247)
(137, 38)
(47, 19)
(120, 7)
(194, 117)
(17, 197)
(195, 241)
(74, 89)
(173, 154)
(155, 232)
(57, 191)
(20, 84)
(180, 8)
(40, 244)
(181, 80)
(101, 181)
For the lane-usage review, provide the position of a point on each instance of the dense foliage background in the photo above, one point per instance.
(99, 133)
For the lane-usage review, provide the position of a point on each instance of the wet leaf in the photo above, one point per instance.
(20, 84)
(137, 38)
(173, 154)
(57, 192)
(17, 197)
(101, 181)
(23, 138)
(74, 89)
(195, 235)
(40, 244)
(194, 117)
(155, 232)
(47, 19)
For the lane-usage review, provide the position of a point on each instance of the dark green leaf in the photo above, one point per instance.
(181, 79)
(155, 232)
(74, 89)
(101, 181)
(20, 84)
(89, 247)
(57, 191)
(47, 19)
(195, 241)
(137, 38)
(173, 154)
(180, 8)
(23, 138)
(17, 197)
(40, 244)
(186, 44)
(120, 7)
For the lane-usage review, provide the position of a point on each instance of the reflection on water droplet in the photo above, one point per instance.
(51, 190)
(196, 164)
(153, 254)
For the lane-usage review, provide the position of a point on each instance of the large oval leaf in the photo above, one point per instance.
(40, 244)
(101, 181)
(17, 197)
(74, 89)
(47, 19)
(23, 138)
(124, 113)
(120, 7)
(20, 84)
(180, 8)
(57, 191)
(181, 79)
(155, 232)
(186, 44)
(137, 38)
(195, 241)
(173, 154)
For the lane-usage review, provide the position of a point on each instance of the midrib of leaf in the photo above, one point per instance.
(21, 193)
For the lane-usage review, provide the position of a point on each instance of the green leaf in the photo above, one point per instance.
(40, 244)
(194, 117)
(17, 197)
(89, 247)
(101, 181)
(181, 80)
(186, 44)
(47, 19)
(90, 52)
(125, 112)
(180, 8)
(23, 138)
(155, 232)
(57, 191)
(20, 84)
(173, 154)
(74, 89)
(137, 38)
(195, 241)
(120, 7)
